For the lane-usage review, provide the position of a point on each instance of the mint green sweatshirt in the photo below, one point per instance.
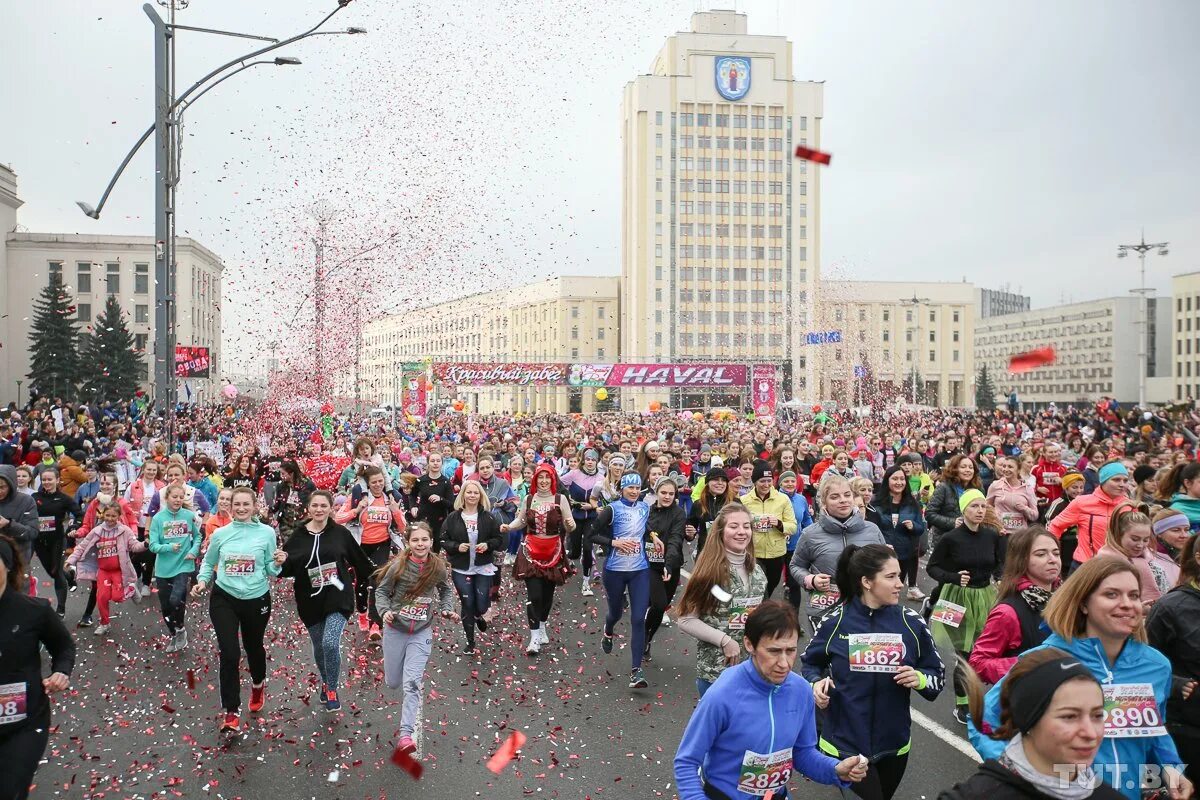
(242, 556)
(167, 530)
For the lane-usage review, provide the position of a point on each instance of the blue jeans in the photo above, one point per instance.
(514, 541)
(638, 584)
(474, 593)
(327, 648)
(703, 686)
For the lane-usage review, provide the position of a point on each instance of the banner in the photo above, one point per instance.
(191, 362)
(413, 401)
(762, 390)
(699, 376)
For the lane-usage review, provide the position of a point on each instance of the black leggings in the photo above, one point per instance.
(20, 753)
(795, 595)
(541, 599)
(661, 593)
(579, 541)
(49, 550)
(90, 608)
(883, 778)
(364, 585)
(143, 562)
(909, 568)
(773, 569)
(229, 614)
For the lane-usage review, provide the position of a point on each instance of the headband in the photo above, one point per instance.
(1174, 521)
(630, 479)
(7, 556)
(1031, 695)
(1112, 470)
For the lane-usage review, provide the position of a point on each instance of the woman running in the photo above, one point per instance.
(1032, 570)
(1131, 537)
(622, 529)
(1013, 499)
(175, 540)
(53, 507)
(26, 626)
(579, 484)
(709, 498)
(470, 539)
(326, 563)
(241, 556)
(409, 585)
(943, 513)
(542, 561)
(381, 520)
(866, 659)
(664, 552)
(115, 578)
(726, 585)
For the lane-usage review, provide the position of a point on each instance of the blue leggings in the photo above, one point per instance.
(327, 648)
(514, 541)
(638, 584)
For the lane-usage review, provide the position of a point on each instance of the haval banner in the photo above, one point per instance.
(612, 375)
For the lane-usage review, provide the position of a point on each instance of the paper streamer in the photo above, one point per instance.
(407, 763)
(816, 156)
(507, 752)
(1024, 362)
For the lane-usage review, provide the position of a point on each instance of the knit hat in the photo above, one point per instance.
(717, 461)
(705, 448)
(968, 497)
(716, 474)
(1070, 479)
(1143, 473)
(762, 470)
(787, 473)
(665, 480)
(592, 454)
(1112, 470)
(630, 479)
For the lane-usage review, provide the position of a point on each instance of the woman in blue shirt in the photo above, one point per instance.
(621, 529)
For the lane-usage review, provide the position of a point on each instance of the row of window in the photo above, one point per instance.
(725, 339)
(723, 295)
(754, 145)
(706, 186)
(722, 229)
(722, 208)
(111, 277)
(722, 274)
(908, 336)
(723, 317)
(839, 315)
(755, 121)
(689, 164)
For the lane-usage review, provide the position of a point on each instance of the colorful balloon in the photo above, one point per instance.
(602, 393)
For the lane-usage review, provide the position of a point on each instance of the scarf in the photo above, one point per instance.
(1015, 760)
(1036, 597)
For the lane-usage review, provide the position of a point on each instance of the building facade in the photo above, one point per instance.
(1185, 325)
(871, 339)
(998, 302)
(1097, 352)
(566, 319)
(93, 267)
(720, 224)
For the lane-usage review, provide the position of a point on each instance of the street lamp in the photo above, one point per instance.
(1141, 248)
(915, 304)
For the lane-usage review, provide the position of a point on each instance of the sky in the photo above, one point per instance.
(476, 144)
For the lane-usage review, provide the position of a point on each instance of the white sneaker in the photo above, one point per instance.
(100, 630)
(915, 594)
(181, 640)
(172, 644)
(545, 637)
(535, 643)
(587, 587)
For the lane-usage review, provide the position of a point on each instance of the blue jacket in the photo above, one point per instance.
(1120, 758)
(803, 517)
(868, 712)
(902, 540)
(742, 713)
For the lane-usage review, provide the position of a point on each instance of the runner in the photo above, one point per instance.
(26, 625)
(115, 578)
(409, 585)
(944, 511)
(18, 513)
(902, 525)
(1090, 512)
(621, 529)
(435, 497)
(717, 619)
(381, 520)
(241, 556)
(1013, 499)
(1131, 538)
(326, 562)
(789, 486)
(53, 506)
(757, 725)
(709, 497)
(864, 661)
(664, 552)
(579, 484)
(470, 539)
(175, 540)
(774, 522)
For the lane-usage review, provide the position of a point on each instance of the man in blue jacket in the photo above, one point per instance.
(756, 725)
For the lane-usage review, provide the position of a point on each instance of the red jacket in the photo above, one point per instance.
(819, 470)
(1090, 513)
(1001, 635)
(1049, 479)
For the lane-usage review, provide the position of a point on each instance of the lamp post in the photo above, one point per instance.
(19, 382)
(1141, 248)
(167, 109)
(915, 304)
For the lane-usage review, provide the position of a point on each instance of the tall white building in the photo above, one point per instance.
(720, 223)
(93, 267)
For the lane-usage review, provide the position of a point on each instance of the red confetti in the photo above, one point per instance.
(1024, 362)
(507, 752)
(167, 708)
(407, 763)
(191, 679)
(816, 156)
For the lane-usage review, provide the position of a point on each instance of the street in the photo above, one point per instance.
(130, 727)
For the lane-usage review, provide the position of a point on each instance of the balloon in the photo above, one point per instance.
(655, 405)
(459, 405)
(230, 391)
(602, 393)
(816, 409)
(697, 416)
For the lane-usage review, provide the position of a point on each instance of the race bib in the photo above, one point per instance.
(237, 564)
(656, 551)
(947, 613)
(762, 773)
(324, 575)
(1051, 478)
(415, 610)
(46, 524)
(637, 542)
(1012, 521)
(1131, 710)
(106, 550)
(761, 524)
(177, 530)
(824, 600)
(12, 703)
(739, 609)
(379, 515)
(876, 652)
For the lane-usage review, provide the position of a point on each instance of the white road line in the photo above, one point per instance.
(946, 735)
(418, 728)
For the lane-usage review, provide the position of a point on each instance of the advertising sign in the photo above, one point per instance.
(191, 362)
(763, 390)
(611, 375)
(412, 390)
(465, 374)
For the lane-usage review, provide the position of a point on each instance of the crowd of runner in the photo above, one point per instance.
(1061, 543)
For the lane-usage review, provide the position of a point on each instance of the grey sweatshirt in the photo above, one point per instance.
(415, 613)
(817, 553)
(21, 512)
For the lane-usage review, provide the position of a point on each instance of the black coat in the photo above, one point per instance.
(995, 782)
(454, 533)
(1173, 627)
(668, 524)
(337, 546)
(430, 512)
(26, 624)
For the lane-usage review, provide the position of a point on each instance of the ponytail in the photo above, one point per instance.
(856, 563)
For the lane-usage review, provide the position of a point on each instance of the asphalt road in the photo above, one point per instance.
(130, 728)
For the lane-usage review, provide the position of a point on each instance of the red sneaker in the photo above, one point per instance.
(257, 696)
(375, 634)
(364, 623)
(406, 744)
(231, 723)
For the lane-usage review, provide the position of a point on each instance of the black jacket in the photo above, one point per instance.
(26, 623)
(668, 524)
(430, 512)
(454, 533)
(942, 509)
(995, 782)
(336, 546)
(979, 553)
(701, 521)
(1173, 627)
(55, 506)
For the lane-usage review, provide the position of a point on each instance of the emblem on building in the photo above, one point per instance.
(733, 77)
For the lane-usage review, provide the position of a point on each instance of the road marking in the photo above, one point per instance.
(946, 735)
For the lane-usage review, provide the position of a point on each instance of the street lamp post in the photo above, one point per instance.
(19, 382)
(915, 303)
(1141, 248)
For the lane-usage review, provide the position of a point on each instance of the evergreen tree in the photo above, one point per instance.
(908, 388)
(985, 391)
(54, 365)
(109, 355)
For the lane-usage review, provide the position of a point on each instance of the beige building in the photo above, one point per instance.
(1185, 325)
(94, 267)
(720, 224)
(882, 338)
(559, 320)
(1096, 346)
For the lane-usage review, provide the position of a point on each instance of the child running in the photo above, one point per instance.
(407, 587)
(175, 541)
(115, 577)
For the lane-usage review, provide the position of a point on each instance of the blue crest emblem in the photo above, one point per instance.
(733, 77)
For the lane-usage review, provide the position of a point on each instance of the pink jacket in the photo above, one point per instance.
(1158, 572)
(1016, 505)
(136, 495)
(1090, 512)
(126, 543)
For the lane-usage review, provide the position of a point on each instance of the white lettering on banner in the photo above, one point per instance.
(676, 376)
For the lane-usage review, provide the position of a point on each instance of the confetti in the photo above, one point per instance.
(1032, 359)
(507, 752)
(816, 156)
(406, 762)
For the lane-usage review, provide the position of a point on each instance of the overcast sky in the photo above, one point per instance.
(1005, 143)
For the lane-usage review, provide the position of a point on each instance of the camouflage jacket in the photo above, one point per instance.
(731, 619)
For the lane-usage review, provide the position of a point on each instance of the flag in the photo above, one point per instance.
(1024, 362)
(808, 154)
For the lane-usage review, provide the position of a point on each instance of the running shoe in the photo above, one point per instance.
(509, 559)
(406, 744)
(915, 594)
(637, 680)
(606, 644)
(545, 637)
(85, 621)
(258, 695)
(172, 643)
(375, 635)
(364, 623)
(961, 714)
(467, 649)
(535, 644)
(324, 692)
(101, 629)
(646, 652)
(332, 703)
(587, 588)
(181, 639)
(481, 623)
(231, 723)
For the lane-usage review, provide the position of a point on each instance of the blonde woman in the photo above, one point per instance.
(470, 538)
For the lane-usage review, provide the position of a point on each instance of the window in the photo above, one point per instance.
(574, 331)
(84, 312)
(956, 320)
(685, 120)
(704, 120)
(658, 140)
(600, 353)
(658, 162)
(139, 341)
(908, 336)
(574, 312)
(739, 121)
(887, 315)
(658, 118)
(955, 336)
(933, 316)
(955, 355)
(932, 336)
(83, 277)
(599, 333)
(887, 336)
(602, 312)
(141, 279)
(908, 316)
(141, 313)
(932, 356)
(54, 273)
